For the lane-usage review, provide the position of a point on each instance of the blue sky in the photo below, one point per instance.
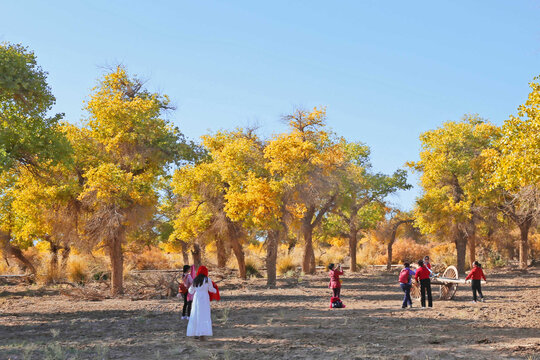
(386, 70)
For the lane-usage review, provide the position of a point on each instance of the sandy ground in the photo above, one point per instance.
(291, 322)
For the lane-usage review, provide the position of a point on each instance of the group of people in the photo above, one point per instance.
(424, 274)
(195, 289)
(421, 275)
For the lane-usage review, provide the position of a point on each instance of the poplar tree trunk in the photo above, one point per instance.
(271, 257)
(117, 264)
(65, 257)
(308, 261)
(11, 250)
(221, 253)
(239, 254)
(461, 247)
(196, 255)
(524, 244)
(353, 243)
(185, 253)
(472, 248)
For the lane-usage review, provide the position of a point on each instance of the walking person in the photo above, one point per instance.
(476, 275)
(200, 321)
(335, 282)
(422, 273)
(405, 282)
(187, 280)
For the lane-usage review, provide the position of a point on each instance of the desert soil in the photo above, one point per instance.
(293, 321)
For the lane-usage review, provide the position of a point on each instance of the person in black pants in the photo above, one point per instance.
(476, 275)
(422, 273)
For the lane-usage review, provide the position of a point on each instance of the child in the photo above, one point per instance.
(200, 321)
(405, 277)
(428, 264)
(476, 275)
(187, 280)
(335, 283)
(425, 283)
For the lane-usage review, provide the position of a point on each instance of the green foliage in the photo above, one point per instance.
(27, 135)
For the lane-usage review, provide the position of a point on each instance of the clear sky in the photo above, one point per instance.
(386, 70)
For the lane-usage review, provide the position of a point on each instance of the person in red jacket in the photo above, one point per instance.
(476, 275)
(428, 264)
(422, 273)
(335, 283)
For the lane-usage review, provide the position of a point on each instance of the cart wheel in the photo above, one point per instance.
(415, 291)
(449, 290)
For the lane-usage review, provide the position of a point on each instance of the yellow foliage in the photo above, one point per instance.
(285, 264)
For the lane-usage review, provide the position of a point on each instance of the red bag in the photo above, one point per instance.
(182, 288)
(216, 296)
(404, 276)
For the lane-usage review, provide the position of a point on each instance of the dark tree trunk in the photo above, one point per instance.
(185, 253)
(65, 257)
(10, 250)
(53, 263)
(308, 262)
(221, 253)
(239, 254)
(391, 242)
(524, 243)
(117, 264)
(353, 243)
(196, 255)
(472, 248)
(461, 247)
(271, 257)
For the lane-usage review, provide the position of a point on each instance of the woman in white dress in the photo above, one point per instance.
(200, 321)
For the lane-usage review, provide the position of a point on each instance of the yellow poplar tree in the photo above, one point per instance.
(451, 166)
(514, 167)
(306, 161)
(133, 145)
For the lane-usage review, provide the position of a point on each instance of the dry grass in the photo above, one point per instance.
(77, 269)
(285, 264)
(152, 259)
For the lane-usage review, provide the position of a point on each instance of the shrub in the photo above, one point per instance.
(285, 265)
(406, 249)
(444, 254)
(77, 269)
(152, 259)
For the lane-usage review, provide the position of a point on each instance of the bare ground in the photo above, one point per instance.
(291, 322)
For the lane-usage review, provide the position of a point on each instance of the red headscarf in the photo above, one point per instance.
(202, 270)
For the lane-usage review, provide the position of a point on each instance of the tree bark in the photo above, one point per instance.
(353, 243)
(392, 240)
(472, 248)
(524, 243)
(185, 255)
(271, 257)
(308, 262)
(53, 263)
(196, 255)
(117, 264)
(221, 253)
(11, 250)
(239, 254)
(461, 247)
(65, 257)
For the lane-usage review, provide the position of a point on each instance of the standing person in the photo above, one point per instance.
(335, 283)
(425, 283)
(200, 321)
(187, 280)
(476, 275)
(428, 264)
(405, 278)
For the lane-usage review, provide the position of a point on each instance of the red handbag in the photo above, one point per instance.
(216, 296)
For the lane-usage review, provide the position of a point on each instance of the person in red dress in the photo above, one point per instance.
(335, 283)
(476, 275)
